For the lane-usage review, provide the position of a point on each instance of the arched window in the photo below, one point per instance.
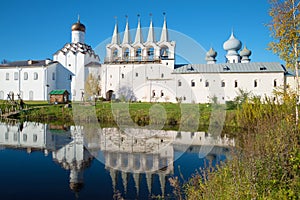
(115, 54)
(25, 137)
(35, 76)
(222, 83)
(31, 95)
(162, 93)
(164, 52)
(150, 53)
(275, 83)
(179, 83)
(255, 83)
(35, 137)
(206, 83)
(25, 76)
(138, 54)
(16, 76)
(153, 93)
(126, 54)
(193, 83)
(123, 75)
(235, 83)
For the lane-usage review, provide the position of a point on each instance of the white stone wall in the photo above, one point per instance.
(245, 81)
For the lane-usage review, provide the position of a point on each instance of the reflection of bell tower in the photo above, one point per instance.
(148, 157)
(74, 157)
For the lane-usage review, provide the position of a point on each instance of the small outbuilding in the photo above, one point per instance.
(59, 96)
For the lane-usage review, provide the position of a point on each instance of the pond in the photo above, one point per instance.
(44, 161)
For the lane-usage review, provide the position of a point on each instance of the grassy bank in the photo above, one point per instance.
(168, 114)
(266, 163)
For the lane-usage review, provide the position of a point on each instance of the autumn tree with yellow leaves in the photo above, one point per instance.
(285, 30)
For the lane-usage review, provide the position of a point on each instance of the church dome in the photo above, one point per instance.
(211, 53)
(245, 52)
(78, 26)
(232, 44)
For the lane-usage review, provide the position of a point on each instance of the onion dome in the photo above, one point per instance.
(245, 52)
(78, 26)
(211, 56)
(232, 44)
(211, 53)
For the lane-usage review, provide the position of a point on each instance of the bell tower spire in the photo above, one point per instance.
(164, 33)
(126, 37)
(151, 36)
(116, 37)
(138, 35)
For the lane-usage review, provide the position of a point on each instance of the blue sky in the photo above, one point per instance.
(35, 29)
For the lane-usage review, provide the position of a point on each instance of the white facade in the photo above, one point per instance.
(32, 80)
(142, 71)
(146, 71)
(80, 59)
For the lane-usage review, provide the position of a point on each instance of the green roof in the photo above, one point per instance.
(58, 91)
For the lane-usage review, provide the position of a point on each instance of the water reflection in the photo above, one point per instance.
(132, 157)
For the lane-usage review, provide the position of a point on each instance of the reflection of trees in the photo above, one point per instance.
(126, 94)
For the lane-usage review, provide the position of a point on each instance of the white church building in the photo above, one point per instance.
(142, 71)
(69, 69)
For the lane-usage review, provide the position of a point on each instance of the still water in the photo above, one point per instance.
(42, 161)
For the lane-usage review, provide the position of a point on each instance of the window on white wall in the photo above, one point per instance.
(34, 137)
(53, 76)
(255, 83)
(235, 83)
(206, 84)
(123, 75)
(179, 83)
(25, 137)
(35, 76)
(275, 83)
(25, 76)
(193, 83)
(16, 76)
(7, 76)
(222, 83)
(162, 93)
(31, 95)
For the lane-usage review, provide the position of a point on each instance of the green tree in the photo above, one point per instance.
(285, 30)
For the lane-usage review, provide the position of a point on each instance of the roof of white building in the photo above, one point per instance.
(27, 63)
(77, 47)
(258, 67)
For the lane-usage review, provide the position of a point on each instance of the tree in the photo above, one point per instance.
(4, 61)
(126, 94)
(92, 86)
(285, 30)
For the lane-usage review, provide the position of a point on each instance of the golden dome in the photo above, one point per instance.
(78, 26)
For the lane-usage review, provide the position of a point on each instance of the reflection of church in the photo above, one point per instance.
(139, 156)
(146, 154)
(65, 144)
